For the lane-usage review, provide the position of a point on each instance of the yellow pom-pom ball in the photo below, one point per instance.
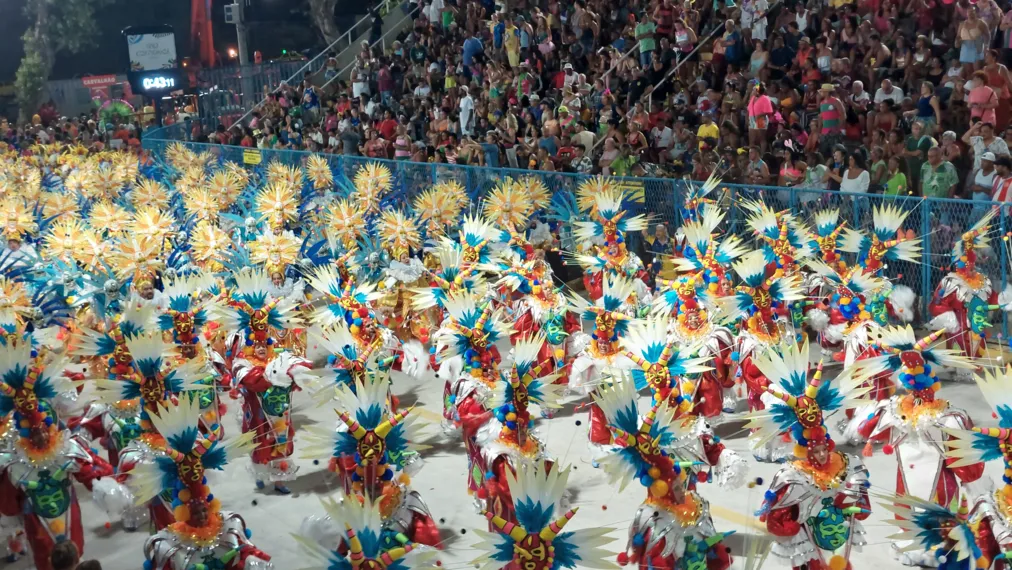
(214, 505)
(182, 513)
(355, 329)
(560, 353)
(404, 479)
(536, 289)
(57, 526)
(807, 433)
(844, 300)
(800, 451)
(837, 562)
(654, 473)
(712, 287)
(458, 280)
(1007, 491)
(511, 417)
(984, 562)
(778, 273)
(658, 489)
(688, 387)
(25, 424)
(936, 386)
(184, 495)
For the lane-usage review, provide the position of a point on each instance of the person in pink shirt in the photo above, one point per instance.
(760, 110)
(982, 99)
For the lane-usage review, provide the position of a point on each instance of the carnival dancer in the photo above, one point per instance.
(605, 232)
(188, 318)
(400, 237)
(374, 452)
(38, 468)
(352, 536)
(911, 426)
(347, 365)
(265, 376)
(673, 527)
(828, 229)
(760, 305)
(508, 441)
(601, 351)
(202, 535)
(466, 346)
(842, 307)
(535, 538)
(991, 513)
(880, 246)
(815, 503)
(964, 297)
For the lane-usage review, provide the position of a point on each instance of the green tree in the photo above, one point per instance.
(57, 25)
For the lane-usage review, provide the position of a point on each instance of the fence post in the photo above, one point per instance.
(1003, 261)
(925, 256)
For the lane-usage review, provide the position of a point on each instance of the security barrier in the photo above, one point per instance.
(939, 222)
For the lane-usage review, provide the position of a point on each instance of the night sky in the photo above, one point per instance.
(285, 30)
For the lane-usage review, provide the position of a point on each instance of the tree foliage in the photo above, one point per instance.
(57, 25)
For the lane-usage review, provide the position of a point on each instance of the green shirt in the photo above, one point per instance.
(936, 182)
(648, 43)
(621, 166)
(896, 184)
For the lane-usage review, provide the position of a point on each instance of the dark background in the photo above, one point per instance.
(277, 25)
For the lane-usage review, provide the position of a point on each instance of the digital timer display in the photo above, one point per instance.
(158, 82)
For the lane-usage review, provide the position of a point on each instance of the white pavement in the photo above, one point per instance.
(442, 485)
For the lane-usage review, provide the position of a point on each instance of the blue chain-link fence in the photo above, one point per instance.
(939, 222)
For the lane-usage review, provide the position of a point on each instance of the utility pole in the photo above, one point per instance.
(240, 30)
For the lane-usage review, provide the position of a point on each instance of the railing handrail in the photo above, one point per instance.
(381, 38)
(384, 4)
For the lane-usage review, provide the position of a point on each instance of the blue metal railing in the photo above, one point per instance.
(940, 222)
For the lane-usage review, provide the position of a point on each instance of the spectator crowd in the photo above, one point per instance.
(893, 96)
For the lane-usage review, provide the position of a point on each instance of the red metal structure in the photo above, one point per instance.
(201, 34)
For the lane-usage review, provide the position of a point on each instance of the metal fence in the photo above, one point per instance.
(225, 93)
(939, 222)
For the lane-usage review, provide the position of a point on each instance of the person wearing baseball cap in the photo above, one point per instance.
(983, 179)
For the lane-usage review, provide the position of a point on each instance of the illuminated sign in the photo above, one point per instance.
(158, 83)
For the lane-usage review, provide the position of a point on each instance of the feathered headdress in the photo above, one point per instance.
(849, 289)
(363, 546)
(802, 404)
(275, 252)
(347, 302)
(152, 224)
(202, 203)
(784, 240)
(535, 539)
(27, 384)
(63, 240)
(134, 321)
(610, 323)
(880, 245)
(828, 228)
(186, 315)
(181, 470)
(925, 526)
(372, 181)
(277, 204)
(349, 363)
(398, 233)
(759, 297)
(660, 362)
(697, 204)
(642, 443)
(704, 254)
(472, 329)
(318, 172)
(438, 207)
(508, 204)
(977, 444)
(913, 362)
(227, 184)
(108, 218)
(16, 219)
(474, 240)
(964, 254)
(345, 222)
(448, 278)
(380, 442)
(609, 220)
(154, 381)
(209, 245)
(522, 384)
(137, 259)
(252, 310)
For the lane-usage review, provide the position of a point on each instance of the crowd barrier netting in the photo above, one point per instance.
(938, 222)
